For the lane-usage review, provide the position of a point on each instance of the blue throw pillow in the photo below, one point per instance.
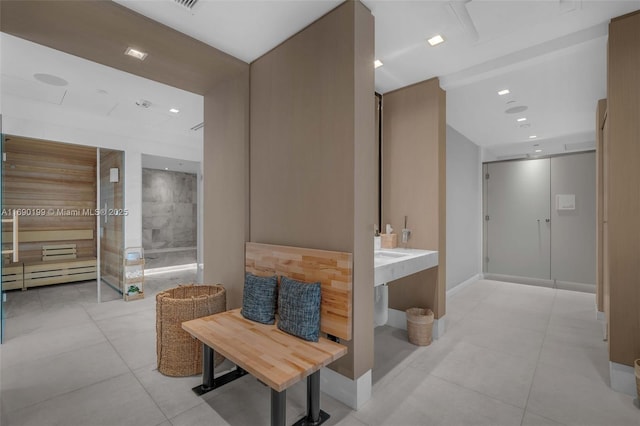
(259, 298)
(299, 308)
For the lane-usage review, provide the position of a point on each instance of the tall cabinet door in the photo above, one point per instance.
(518, 228)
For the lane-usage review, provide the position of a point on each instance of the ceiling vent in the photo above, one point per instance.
(516, 109)
(198, 127)
(187, 4)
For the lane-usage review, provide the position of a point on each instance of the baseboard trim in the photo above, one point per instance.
(540, 282)
(439, 327)
(623, 378)
(582, 287)
(352, 393)
(455, 289)
(519, 280)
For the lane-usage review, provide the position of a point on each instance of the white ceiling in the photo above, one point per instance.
(170, 164)
(246, 29)
(550, 54)
(100, 98)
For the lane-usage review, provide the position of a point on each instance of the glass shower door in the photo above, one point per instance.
(111, 222)
(517, 218)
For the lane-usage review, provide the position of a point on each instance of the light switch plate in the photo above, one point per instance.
(565, 201)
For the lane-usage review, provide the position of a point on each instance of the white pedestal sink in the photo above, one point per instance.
(392, 264)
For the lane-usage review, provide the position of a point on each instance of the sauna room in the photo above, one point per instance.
(63, 210)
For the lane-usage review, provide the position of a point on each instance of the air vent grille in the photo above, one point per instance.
(189, 4)
(198, 127)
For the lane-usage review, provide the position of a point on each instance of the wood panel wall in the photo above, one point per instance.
(312, 156)
(332, 269)
(226, 185)
(600, 117)
(606, 276)
(59, 178)
(111, 232)
(621, 191)
(414, 185)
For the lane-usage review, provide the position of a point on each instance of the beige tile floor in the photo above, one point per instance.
(512, 355)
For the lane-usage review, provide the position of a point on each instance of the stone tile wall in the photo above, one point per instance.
(169, 212)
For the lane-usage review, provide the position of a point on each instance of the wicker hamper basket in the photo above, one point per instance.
(420, 326)
(179, 354)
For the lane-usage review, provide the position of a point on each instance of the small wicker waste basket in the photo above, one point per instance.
(420, 326)
(179, 354)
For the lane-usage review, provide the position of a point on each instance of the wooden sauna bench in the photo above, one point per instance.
(59, 263)
(274, 357)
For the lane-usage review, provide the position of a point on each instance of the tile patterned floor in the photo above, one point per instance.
(512, 355)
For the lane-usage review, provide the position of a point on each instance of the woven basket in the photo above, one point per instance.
(179, 354)
(420, 326)
(636, 364)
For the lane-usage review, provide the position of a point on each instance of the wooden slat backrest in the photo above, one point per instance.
(50, 235)
(334, 271)
(58, 252)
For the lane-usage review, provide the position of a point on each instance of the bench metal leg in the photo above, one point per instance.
(313, 397)
(207, 368)
(209, 382)
(278, 407)
(315, 416)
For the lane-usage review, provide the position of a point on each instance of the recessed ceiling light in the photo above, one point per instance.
(538, 150)
(174, 110)
(532, 137)
(377, 63)
(522, 119)
(166, 168)
(435, 40)
(135, 53)
(503, 92)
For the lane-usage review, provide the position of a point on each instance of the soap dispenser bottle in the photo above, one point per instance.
(389, 240)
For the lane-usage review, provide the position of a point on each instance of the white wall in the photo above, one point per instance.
(573, 232)
(22, 117)
(464, 209)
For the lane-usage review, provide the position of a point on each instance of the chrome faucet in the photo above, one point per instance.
(405, 232)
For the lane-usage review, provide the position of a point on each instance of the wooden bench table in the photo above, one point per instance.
(277, 359)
